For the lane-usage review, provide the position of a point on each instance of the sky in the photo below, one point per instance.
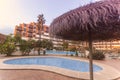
(14, 12)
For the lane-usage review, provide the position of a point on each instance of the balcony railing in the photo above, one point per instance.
(30, 30)
(29, 35)
(19, 28)
(31, 27)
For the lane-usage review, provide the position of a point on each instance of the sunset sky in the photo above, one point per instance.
(14, 12)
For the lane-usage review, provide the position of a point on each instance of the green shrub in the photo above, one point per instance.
(26, 47)
(98, 55)
(7, 49)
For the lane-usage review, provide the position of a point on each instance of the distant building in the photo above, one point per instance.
(107, 45)
(104, 45)
(30, 31)
(2, 38)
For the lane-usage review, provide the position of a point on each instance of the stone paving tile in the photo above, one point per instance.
(31, 75)
(111, 62)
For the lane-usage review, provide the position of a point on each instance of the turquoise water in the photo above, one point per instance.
(52, 61)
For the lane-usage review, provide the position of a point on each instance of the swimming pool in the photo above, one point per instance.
(70, 64)
(59, 52)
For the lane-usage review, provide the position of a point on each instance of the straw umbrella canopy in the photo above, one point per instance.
(92, 22)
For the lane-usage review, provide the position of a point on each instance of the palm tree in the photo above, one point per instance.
(17, 38)
(40, 23)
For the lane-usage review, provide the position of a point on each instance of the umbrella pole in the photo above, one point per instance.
(90, 55)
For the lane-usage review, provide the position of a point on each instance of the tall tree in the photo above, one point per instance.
(26, 46)
(40, 23)
(17, 38)
(47, 44)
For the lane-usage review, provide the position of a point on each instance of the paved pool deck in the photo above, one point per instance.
(109, 72)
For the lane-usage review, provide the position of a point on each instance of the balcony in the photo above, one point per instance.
(18, 32)
(19, 28)
(25, 25)
(34, 27)
(31, 27)
(34, 35)
(34, 31)
(30, 30)
(29, 35)
(23, 33)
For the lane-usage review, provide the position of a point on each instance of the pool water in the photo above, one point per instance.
(53, 61)
(59, 52)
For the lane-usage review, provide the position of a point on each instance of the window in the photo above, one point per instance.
(24, 29)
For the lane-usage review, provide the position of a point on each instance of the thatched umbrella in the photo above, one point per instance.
(92, 22)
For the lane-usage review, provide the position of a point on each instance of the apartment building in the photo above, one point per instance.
(107, 45)
(30, 31)
(104, 45)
